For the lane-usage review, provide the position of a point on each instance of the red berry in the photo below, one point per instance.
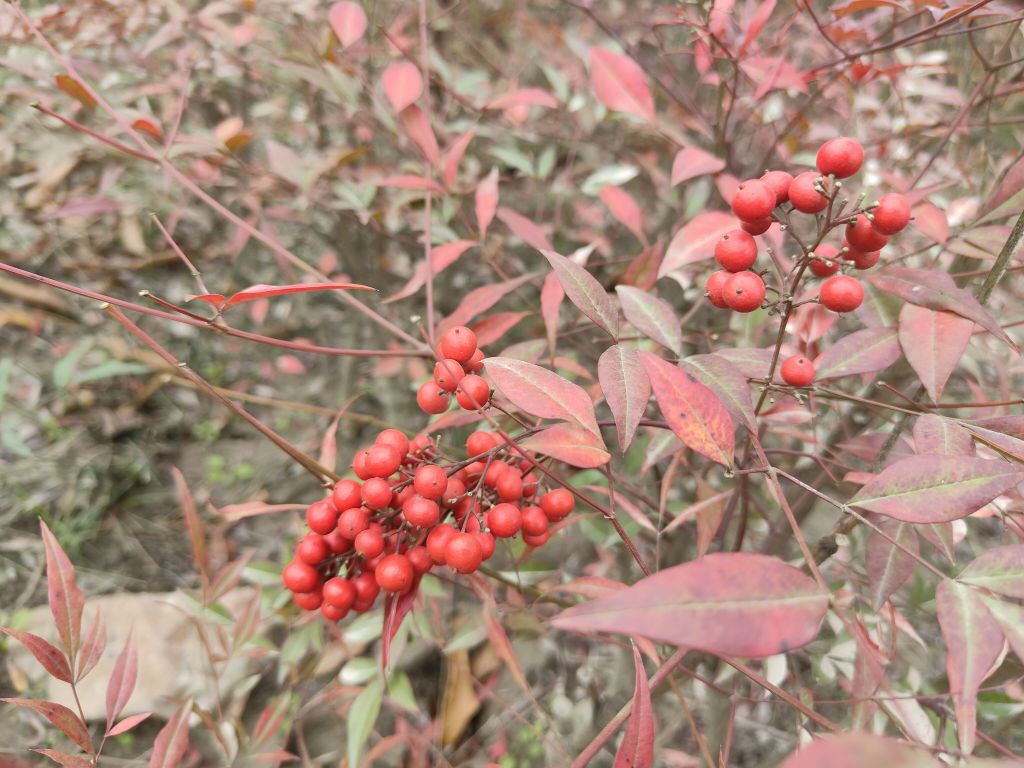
(864, 237)
(421, 512)
(300, 577)
(824, 262)
(530, 485)
(354, 521)
(744, 292)
(366, 588)
(757, 227)
(557, 504)
(803, 193)
(494, 472)
(464, 552)
(340, 592)
(431, 398)
(473, 392)
(369, 543)
(537, 541)
(864, 260)
(753, 200)
(448, 373)
(338, 543)
(458, 343)
(430, 481)
(321, 517)
(346, 494)
(841, 157)
(376, 493)
(454, 490)
(736, 251)
(332, 612)
(480, 442)
(313, 549)
(420, 559)
(476, 362)
(891, 214)
(504, 520)
(797, 371)
(486, 544)
(308, 601)
(510, 486)
(383, 460)
(437, 542)
(715, 286)
(841, 293)
(359, 465)
(395, 439)
(778, 182)
(535, 522)
(394, 573)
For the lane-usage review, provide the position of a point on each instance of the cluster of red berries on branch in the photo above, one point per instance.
(759, 203)
(412, 510)
(456, 373)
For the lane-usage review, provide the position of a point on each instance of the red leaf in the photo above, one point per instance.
(402, 83)
(773, 73)
(441, 257)
(46, 654)
(494, 327)
(68, 722)
(193, 523)
(974, 643)
(348, 20)
(1000, 570)
(932, 221)
(66, 599)
(1010, 617)
(625, 209)
(867, 351)
(692, 410)
(524, 229)
(172, 740)
(936, 489)
(637, 747)
(63, 758)
(626, 388)
(408, 181)
(416, 125)
(933, 343)
(730, 604)
(542, 393)
(729, 385)
(91, 651)
(939, 435)
(551, 295)
(570, 443)
(585, 292)
(128, 723)
(395, 609)
(523, 97)
(620, 83)
(486, 201)
(888, 566)
(122, 680)
(756, 24)
(691, 162)
(75, 90)
(696, 240)
(502, 646)
(148, 126)
(255, 292)
(859, 750)
(453, 157)
(863, 5)
(653, 317)
(479, 300)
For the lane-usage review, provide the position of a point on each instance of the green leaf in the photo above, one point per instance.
(400, 690)
(6, 366)
(64, 370)
(514, 159)
(361, 718)
(609, 176)
(111, 369)
(358, 671)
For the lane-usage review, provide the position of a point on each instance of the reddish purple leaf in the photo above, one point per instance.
(52, 659)
(626, 388)
(66, 599)
(416, 124)
(730, 604)
(1000, 570)
(91, 651)
(481, 299)
(453, 157)
(696, 240)
(693, 412)
(1010, 618)
(68, 722)
(551, 295)
(625, 209)
(691, 162)
(637, 747)
(348, 20)
(486, 201)
(585, 292)
(193, 523)
(620, 84)
(932, 221)
(756, 24)
(396, 607)
(730, 386)
(255, 292)
(867, 351)
(749, 361)
(410, 182)
(402, 83)
(888, 566)
(128, 723)
(542, 393)
(933, 343)
(1011, 183)
(122, 680)
(773, 73)
(936, 489)
(502, 645)
(63, 758)
(172, 740)
(523, 97)
(570, 443)
(493, 328)
(974, 643)
(524, 229)
(938, 435)
(859, 750)
(653, 317)
(441, 257)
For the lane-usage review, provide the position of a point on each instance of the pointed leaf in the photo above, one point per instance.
(637, 747)
(585, 292)
(620, 84)
(523, 97)
(75, 90)
(46, 654)
(999, 570)
(122, 680)
(570, 443)
(1010, 618)
(626, 388)
(729, 385)
(441, 257)
(696, 240)
(361, 717)
(859, 750)
(888, 566)
(624, 208)
(172, 740)
(730, 604)
(486, 201)
(396, 608)
(193, 523)
(453, 157)
(933, 343)
(416, 124)
(938, 435)
(128, 723)
(936, 489)
(63, 758)
(410, 182)
(402, 83)
(66, 599)
(867, 351)
(693, 412)
(542, 393)
(525, 229)
(479, 300)
(496, 326)
(348, 20)
(692, 162)
(255, 292)
(502, 645)
(68, 722)
(651, 316)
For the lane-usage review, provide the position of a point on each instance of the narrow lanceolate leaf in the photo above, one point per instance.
(626, 388)
(502, 645)
(122, 680)
(692, 162)
(441, 257)
(637, 747)
(620, 84)
(938, 435)
(485, 201)
(193, 523)
(479, 300)
(68, 722)
(730, 604)
(66, 599)
(866, 351)
(92, 648)
(524, 229)
(651, 316)
(936, 290)
(999, 570)
(570, 443)
(888, 566)
(361, 718)
(860, 750)
(974, 642)
(63, 758)
(693, 412)
(625, 209)
(936, 489)
(696, 240)
(725, 380)
(542, 393)
(128, 723)
(46, 654)
(933, 343)
(585, 292)
(254, 292)
(172, 740)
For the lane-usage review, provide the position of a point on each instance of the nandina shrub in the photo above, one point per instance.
(700, 320)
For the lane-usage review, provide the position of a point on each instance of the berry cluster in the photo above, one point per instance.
(456, 373)
(412, 510)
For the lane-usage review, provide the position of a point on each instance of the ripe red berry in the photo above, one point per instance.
(891, 214)
(448, 373)
(420, 559)
(864, 237)
(430, 481)
(473, 392)
(354, 521)
(510, 486)
(421, 512)
(504, 520)
(486, 544)
(841, 157)
(864, 260)
(537, 541)
(715, 286)
(464, 552)
(308, 601)
(476, 362)
(338, 543)
(824, 262)
(437, 542)
(332, 612)
(494, 472)
(797, 371)
(757, 227)
(376, 493)
(366, 588)
(340, 592)
(369, 543)
(736, 251)
(530, 485)
(753, 200)
(359, 465)
(298, 576)
(778, 182)
(479, 442)
(535, 521)
(395, 439)
(454, 490)
(458, 343)
(394, 573)
(346, 494)
(321, 517)
(803, 193)
(431, 398)
(383, 460)
(313, 549)
(841, 293)
(557, 504)
(744, 292)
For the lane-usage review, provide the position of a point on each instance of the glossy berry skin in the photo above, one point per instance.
(353, 522)
(510, 486)
(753, 200)
(537, 541)
(825, 262)
(383, 460)
(359, 465)
(338, 543)
(313, 549)
(475, 364)
(486, 544)
(332, 612)
(340, 592)
(420, 559)
(714, 287)
(429, 481)
(308, 601)
(557, 504)
(736, 251)
(437, 542)
(322, 518)
(458, 343)
(431, 398)
(504, 520)
(480, 442)
(891, 214)
(535, 522)
(864, 237)
(421, 512)
(376, 493)
(757, 227)
(369, 543)
(862, 259)
(395, 439)
(346, 494)
(394, 573)
(473, 392)
(454, 490)
(803, 195)
(448, 373)
(744, 292)
(298, 576)
(797, 371)
(778, 182)
(366, 588)
(464, 552)
(841, 157)
(841, 293)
